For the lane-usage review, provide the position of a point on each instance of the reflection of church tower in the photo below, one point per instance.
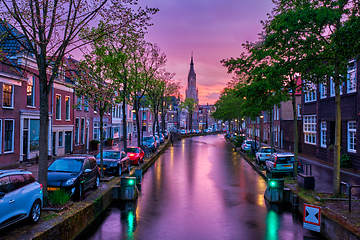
(191, 90)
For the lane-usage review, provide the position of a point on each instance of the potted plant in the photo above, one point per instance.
(109, 141)
(94, 144)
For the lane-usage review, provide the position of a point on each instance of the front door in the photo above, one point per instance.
(53, 143)
(25, 145)
(67, 142)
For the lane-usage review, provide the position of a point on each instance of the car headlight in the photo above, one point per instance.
(70, 182)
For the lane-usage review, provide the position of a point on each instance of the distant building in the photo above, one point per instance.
(192, 92)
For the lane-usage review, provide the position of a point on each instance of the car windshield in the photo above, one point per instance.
(110, 155)
(267, 150)
(248, 142)
(148, 139)
(285, 159)
(132, 150)
(66, 165)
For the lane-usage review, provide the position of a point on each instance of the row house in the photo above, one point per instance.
(318, 112)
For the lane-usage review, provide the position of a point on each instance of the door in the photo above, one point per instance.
(54, 143)
(25, 145)
(68, 142)
(7, 201)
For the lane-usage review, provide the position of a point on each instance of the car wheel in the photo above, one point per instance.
(97, 182)
(78, 192)
(35, 212)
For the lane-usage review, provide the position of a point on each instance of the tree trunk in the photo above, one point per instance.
(124, 123)
(101, 114)
(43, 135)
(336, 173)
(293, 101)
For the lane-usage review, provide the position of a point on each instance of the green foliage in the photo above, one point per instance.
(238, 141)
(58, 197)
(345, 161)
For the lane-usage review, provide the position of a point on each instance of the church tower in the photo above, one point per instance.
(191, 90)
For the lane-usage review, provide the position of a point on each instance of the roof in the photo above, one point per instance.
(11, 43)
(14, 171)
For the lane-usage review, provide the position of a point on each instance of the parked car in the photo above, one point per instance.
(74, 174)
(157, 139)
(150, 142)
(182, 131)
(165, 133)
(114, 162)
(254, 147)
(263, 154)
(161, 138)
(136, 155)
(246, 145)
(197, 131)
(21, 197)
(280, 163)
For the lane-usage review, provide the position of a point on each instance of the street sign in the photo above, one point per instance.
(312, 217)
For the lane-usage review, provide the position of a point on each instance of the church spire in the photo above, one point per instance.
(192, 63)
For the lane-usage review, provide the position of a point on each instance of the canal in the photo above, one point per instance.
(199, 189)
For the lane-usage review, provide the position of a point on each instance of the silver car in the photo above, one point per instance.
(21, 197)
(263, 154)
(280, 163)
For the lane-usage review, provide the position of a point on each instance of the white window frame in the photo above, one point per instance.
(82, 130)
(309, 128)
(323, 90)
(78, 103)
(332, 87)
(97, 128)
(32, 84)
(67, 108)
(58, 111)
(351, 77)
(77, 131)
(12, 96)
(299, 110)
(351, 136)
(12, 136)
(61, 137)
(310, 92)
(323, 130)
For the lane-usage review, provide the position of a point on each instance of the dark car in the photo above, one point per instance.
(254, 147)
(21, 197)
(73, 174)
(114, 162)
(150, 142)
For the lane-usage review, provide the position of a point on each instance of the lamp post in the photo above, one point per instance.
(260, 128)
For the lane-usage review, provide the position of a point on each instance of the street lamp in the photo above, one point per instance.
(261, 121)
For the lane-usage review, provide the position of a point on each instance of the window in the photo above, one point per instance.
(34, 134)
(310, 92)
(61, 138)
(332, 88)
(31, 92)
(7, 95)
(86, 105)
(9, 136)
(67, 108)
(96, 131)
(351, 136)
(351, 77)
(323, 134)
(78, 103)
(77, 122)
(323, 90)
(58, 107)
(310, 129)
(299, 110)
(82, 134)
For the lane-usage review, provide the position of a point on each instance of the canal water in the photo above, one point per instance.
(200, 189)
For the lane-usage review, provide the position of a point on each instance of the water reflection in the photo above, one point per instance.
(200, 189)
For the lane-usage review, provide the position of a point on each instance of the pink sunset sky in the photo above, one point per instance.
(212, 30)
